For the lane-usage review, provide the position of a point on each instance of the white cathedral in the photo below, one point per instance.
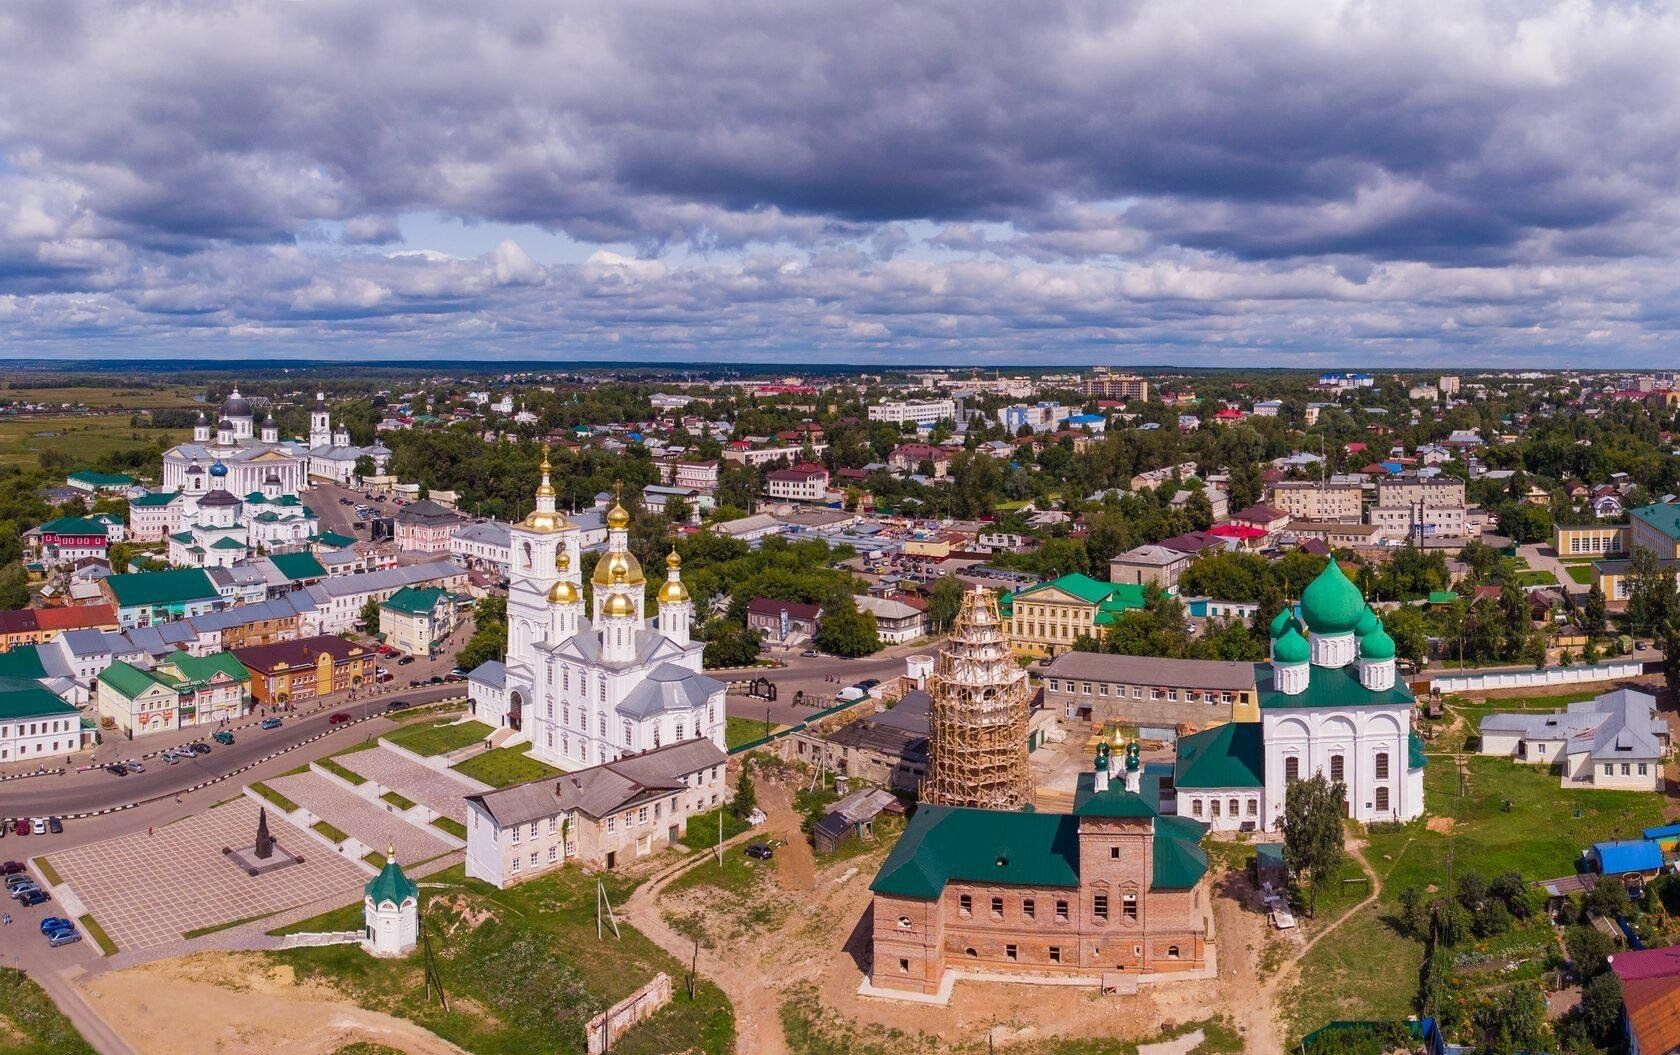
(251, 457)
(585, 691)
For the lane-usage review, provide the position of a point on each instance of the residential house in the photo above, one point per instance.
(804, 482)
(291, 672)
(426, 527)
(1149, 565)
(896, 621)
(1613, 741)
(1047, 618)
(783, 622)
(417, 619)
(35, 725)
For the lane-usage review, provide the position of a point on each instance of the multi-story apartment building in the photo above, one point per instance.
(743, 453)
(1398, 522)
(1144, 690)
(1039, 417)
(1430, 491)
(914, 412)
(35, 724)
(805, 482)
(1104, 385)
(1311, 500)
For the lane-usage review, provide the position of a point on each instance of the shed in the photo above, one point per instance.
(1635, 856)
(854, 814)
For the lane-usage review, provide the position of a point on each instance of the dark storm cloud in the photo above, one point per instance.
(986, 177)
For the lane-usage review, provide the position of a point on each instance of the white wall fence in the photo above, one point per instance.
(1544, 678)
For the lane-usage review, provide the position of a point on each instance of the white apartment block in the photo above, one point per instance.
(915, 412)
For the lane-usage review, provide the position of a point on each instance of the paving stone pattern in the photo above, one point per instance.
(437, 791)
(147, 890)
(357, 817)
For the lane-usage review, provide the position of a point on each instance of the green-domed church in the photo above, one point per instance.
(1330, 703)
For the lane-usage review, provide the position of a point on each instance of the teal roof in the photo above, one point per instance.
(97, 479)
(1180, 861)
(1664, 517)
(146, 588)
(1376, 645)
(334, 540)
(1329, 687)
(1227, 756)
(1091, 590)
(414, 600)
(1112, 801)
(227, 543)
(946, 843)
(160, 498)
(295, 566)
(73, 526)
(131, 681)
(23, 662)
(1332, 604)
(1442, 597)
(201, 670)
(1283, 620)
(391, 885)
(1292, 648)
(1415, 758)
(27, 699)
(1368, 622)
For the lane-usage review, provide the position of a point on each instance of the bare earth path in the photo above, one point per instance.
(1260, 1018)
(758, 1024)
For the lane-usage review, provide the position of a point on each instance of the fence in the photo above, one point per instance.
(1545, 677)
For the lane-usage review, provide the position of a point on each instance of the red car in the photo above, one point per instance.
(339, 719)
(21, 827)
(11, 868)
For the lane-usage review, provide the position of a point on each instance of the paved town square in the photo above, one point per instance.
(436, 790)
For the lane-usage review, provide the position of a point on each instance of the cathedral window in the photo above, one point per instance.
(1382, 765)
(1336, 769)
(680, 729)
(628, 734)
(601, 725)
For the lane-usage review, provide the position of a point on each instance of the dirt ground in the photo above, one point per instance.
(241, 1005)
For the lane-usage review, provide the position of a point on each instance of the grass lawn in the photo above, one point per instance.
(439, 738)
(274, 796)
(504, 766)
(339, 771)
(229, 925)
(30, 1024)
(332, 834)
(399, 801)
(107, 947)
(1581, 573)
(48, 872)
(451, 825)
(738, 730)
(85, 437)
(525, 975)
(1540, 836)
(1533, 577)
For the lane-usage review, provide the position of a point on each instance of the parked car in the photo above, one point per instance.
(55, 825)
(52, 923)
(453, 676)
(272, 723)
(868, 683)
(199, 747)
(223, 737)
(405, 661)
(338, 718)
(171, 756)
(38, 826)
(810, 653)
(21, 827)
(134, 766)
(18, 879)
(761, 851)
(435, 679)
(63, 937)
(11, 868)
(17, 892)
(117, 769)
(32, 897)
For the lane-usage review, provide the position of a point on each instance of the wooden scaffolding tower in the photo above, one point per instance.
(977, 745)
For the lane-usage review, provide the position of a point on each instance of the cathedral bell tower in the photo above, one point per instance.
(536, 544)
(676, 611)
(320, 422)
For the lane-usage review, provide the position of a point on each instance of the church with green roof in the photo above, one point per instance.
(1330, 703)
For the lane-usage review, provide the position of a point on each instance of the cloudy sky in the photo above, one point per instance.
(1306, 183)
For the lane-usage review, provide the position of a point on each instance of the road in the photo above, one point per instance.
(810, 675)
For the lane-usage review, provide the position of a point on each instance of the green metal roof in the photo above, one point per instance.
(414, 600)
(1663, 517)
(1119, 594)
(295, 566)
(391, 884)
(22, 662)
(73, 526)
(201, 670)
(1180, 861)
(1442, 597)
(1112, 801)
(130, 680)
(1227, 756)
(946, 843)
(1329, 687)
(227, 543)
(98, 479)
(27, 699)
(160, 498)
(1331, 603)
(146, 588)
(334, 539)
(1415, 758)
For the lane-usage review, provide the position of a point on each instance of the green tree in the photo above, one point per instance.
(745, 799)
(943, 601)
(845, 630)
(365, 467)
(119, 554)
(1312, 832)
(1593, 613)
(1513, 1021)
(1601, 1009)
(370, 616)
(1589, 949)
(14, 587)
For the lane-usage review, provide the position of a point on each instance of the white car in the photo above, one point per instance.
(38, 826)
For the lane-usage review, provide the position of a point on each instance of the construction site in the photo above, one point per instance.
(977, 746)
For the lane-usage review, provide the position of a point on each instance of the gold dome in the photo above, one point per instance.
(546, 490)
(562, 560)
(618, 606)
(615, 562)
(617, 518)
(673, 559)
(673, 592)
(564, 592)
(544, 522)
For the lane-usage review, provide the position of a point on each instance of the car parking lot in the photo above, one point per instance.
(148, 888)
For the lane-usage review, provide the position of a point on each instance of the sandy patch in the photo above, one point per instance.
(1440, 824)
(240, 1004)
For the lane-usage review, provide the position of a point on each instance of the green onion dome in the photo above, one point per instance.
(1332, 604)
(1291, 648)
(1367, 623)
(1376, 645)
(1283, 621)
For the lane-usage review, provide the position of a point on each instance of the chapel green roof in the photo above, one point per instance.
(1112, 801)
(1329, 687)
(1283, 620)
(391, 884)
(1227, 756)
(1332, 604)
(1368, 622)
(333, 539)
(159, 498)
(1180, 861)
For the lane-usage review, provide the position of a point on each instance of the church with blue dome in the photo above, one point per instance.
(1329, 702)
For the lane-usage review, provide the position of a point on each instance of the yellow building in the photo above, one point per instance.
(1044, 620)
(1590, 540)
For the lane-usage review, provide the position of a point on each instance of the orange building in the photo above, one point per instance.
(34, 626)
(295, 671)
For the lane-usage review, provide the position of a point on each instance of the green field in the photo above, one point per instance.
(738, 730)
(1531, 577)
(504, 766)
(102, 397)
(439, 738)
(1581, 573)
(523, 970)
(29, 1022)
(1540, 836)
(85, 438)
